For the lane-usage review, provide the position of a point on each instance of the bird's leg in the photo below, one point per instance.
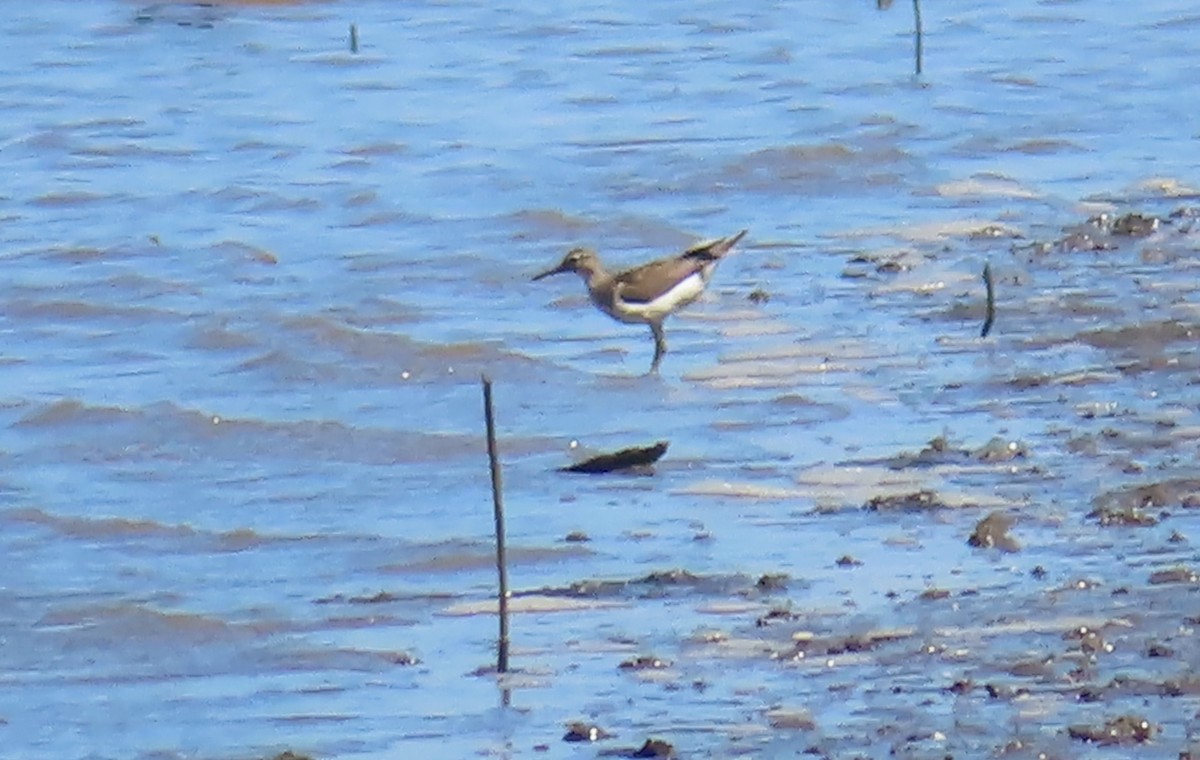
(660, 345)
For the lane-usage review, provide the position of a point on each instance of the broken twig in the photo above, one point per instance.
(990, 313)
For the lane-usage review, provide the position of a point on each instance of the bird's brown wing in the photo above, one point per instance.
(649, 281)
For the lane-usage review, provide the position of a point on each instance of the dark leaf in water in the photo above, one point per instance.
(637, 456)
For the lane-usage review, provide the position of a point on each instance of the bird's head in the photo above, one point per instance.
(581, 260)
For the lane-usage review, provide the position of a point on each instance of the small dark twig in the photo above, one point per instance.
(354, 38)
(498, 508)
(990, 314)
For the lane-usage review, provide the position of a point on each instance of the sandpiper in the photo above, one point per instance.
(650, 293)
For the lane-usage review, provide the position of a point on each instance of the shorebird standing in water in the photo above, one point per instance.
(650, 293)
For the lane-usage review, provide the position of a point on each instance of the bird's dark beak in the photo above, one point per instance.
(556, 270)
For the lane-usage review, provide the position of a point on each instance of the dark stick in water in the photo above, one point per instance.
(990, 314)
(498, 508)
(354, 38)
(918, 34)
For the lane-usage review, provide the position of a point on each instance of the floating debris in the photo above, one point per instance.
(625, 459)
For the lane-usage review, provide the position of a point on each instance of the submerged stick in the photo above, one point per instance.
(990, 313)
(354, 38)
(918, 34)
(498, 509)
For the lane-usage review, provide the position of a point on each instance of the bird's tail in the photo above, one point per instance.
(711, 250)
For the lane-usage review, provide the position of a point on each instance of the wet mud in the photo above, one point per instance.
(1082, 637)
(254, 270)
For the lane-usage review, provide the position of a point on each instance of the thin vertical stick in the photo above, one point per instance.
(918, 33)
(498, 508)
(990, 313)
(354, 38)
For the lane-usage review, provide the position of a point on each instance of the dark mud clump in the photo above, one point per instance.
(1133, 224)
(810, 646)
(1091, 641)
(940, 452)
(644, 662)
(655, 748)
(581, 731)
(651, 748)
(380, 597)
(916, 501)
(791, 720)
(1166, 493)
(1122, 516)
(772, 582)
(662, 584)
(1125, 729)
(992, 533)
(774, 615)
(1174, 575)
(1103, 233)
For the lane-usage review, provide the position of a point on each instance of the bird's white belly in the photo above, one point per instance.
(684, 292)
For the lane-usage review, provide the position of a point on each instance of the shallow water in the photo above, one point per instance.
(252, 280)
